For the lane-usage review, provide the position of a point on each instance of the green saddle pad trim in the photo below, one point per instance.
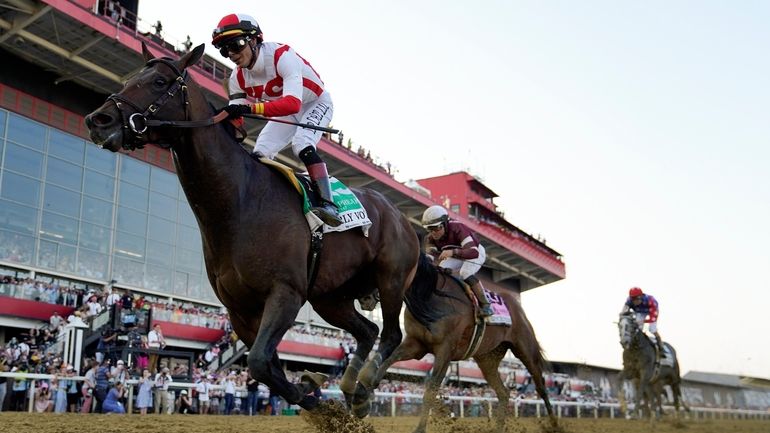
(342, 196)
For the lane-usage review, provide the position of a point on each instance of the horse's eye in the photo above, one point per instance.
(160, 82)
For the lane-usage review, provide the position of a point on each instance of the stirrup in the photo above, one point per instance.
(326, 215)
(486, 311)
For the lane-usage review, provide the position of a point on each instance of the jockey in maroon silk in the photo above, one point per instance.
(454, 246)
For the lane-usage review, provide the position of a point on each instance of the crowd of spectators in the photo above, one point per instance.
(227, 391)
(91, 302)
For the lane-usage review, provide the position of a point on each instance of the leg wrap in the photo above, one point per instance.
(348, 382)
(369, 372)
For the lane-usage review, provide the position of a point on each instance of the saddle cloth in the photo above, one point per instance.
(351, 212)
(501, 314)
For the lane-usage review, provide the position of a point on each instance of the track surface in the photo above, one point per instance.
(68, 423)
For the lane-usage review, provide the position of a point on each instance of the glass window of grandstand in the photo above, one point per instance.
(26, 132)
(10, 279)
(70, 208)
(3, 117)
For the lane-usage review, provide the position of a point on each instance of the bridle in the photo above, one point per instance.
(136, 124)
(629, 329)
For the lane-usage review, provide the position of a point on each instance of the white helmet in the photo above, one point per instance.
(434, 216)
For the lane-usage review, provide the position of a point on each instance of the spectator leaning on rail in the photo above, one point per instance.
(454, 246)
(645, 308)
(286, 86)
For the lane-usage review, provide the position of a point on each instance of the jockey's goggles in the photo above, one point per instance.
(434, 228)
(233, 46)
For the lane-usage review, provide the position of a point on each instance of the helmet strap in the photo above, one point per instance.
(253, 54)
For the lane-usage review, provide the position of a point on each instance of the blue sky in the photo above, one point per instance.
(633, 136)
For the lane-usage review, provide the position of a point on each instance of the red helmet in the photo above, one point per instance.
(235, 25)
(635, 291)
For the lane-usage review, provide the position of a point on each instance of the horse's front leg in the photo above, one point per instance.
(619, 381)
(278, 316)
(638, 391)
(392, 290)
(344, 315)
(410, 348)
(437, 373)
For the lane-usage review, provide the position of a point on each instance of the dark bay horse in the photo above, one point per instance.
(440, 319)
(255, 237)
(639, 358)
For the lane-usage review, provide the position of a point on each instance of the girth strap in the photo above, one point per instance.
(314, 256)
(478, 334)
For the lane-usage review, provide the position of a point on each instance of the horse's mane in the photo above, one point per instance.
(227, 125)
(419, 298)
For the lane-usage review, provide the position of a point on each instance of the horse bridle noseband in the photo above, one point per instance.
(136, 124)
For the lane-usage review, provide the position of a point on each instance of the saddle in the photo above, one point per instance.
(300, 182)
(351, 211)
(663, 358)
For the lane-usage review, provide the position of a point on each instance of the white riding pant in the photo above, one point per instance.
(275, 136)
(652, 327)
(468, 267)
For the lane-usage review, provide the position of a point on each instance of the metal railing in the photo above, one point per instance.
(235, 349)
(400, 404)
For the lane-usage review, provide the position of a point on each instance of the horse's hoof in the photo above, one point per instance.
(315, 379)
(361, 410)
(309, 403)
(361, 394)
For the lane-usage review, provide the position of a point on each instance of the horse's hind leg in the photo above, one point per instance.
(531, 357)
(343, 314)
(489, 363)
(677, 391)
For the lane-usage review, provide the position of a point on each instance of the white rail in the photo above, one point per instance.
(396, 400)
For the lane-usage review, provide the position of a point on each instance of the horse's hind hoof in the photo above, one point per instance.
(361, 410)
(314, 379)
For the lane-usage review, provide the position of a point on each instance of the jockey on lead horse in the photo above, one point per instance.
(285, 86)
(645, 308)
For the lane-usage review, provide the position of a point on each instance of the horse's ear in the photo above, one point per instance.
(192, 57)
(146, 53)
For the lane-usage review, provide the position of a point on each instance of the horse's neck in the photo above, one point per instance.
(641, 345)
(214, 172)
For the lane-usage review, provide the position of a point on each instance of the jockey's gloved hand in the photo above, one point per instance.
(236, 111)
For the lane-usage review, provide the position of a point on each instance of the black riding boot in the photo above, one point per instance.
(327, 211)
(485, 309)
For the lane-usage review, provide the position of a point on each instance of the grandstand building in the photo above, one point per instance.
(85, 218)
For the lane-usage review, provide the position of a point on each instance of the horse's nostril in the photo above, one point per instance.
(99, 119)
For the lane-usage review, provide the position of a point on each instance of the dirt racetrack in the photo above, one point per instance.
(69, 423)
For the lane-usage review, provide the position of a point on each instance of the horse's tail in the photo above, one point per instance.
(535, 352)
(677, 372)
(526, 347)
(540, 358)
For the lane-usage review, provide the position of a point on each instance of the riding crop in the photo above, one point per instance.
(287, 122)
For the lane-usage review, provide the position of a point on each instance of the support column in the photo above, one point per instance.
(73, 343)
